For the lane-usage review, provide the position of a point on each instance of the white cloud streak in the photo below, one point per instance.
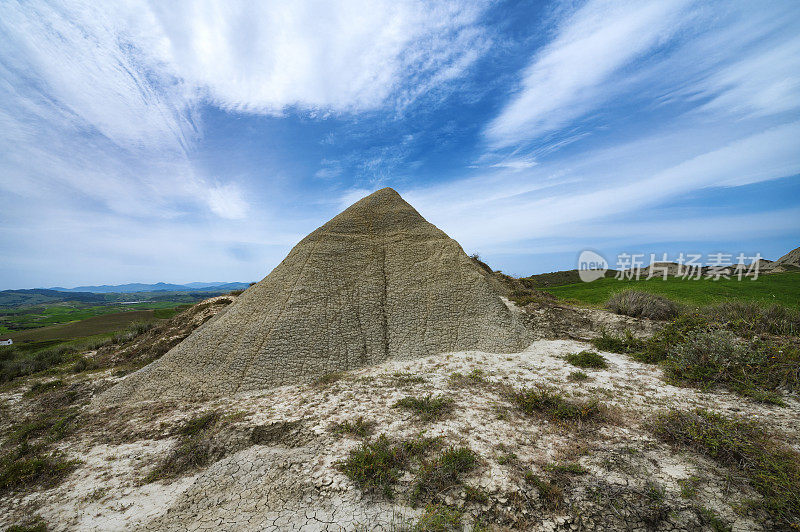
(562, 82)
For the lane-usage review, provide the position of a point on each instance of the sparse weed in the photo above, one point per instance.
(625, 344)
(439, 518)
(476, 376)
(551, 494)
(405, 378)
(194, 448)
(772, 469)
(427, 408)
(357, 427)
(572, 468)
(329, 378)
(443, 472)
(553, 405)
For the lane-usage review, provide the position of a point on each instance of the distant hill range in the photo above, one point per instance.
(126, 293)
(157, 287)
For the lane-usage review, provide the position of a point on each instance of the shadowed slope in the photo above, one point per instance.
(375, 282)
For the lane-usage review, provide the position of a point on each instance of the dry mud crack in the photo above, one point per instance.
(288, 480)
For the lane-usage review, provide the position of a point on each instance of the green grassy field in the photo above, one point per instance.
(16, 320)
(103, 324)
(783, 288)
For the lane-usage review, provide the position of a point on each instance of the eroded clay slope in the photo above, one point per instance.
(376, 282)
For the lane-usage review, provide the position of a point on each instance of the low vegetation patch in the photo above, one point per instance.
(329, 378)
(554, 406)
(357, 427)
(577, 376)
(751, 318)
(27, 461)
(426, 408)
(194, 449)
(405, 378)
(638, 304)
(587, 359)
(772, 469)
(696, 351)
(476, 376)
(443, 472)
(627, 344)
(551, 493)
(718, 357)
(28, 467)
(439, 518)
(377, 465)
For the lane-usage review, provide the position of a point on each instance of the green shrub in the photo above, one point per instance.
(329, 378)
(640, 304)
(554, 406)
(615, 344)
(476, 376)
(27, 467)
(40, 387)
(752, 368)
(405, 378)
(378, 465)
(587, 359)
(751, 318)
(427, 408)
(772, 469)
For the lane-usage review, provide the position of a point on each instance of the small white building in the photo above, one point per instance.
(7, 341)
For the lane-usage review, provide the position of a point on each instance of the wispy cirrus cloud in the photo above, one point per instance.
(607, 59)
(566, 78)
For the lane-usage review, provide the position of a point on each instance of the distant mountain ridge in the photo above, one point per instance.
(157, 287)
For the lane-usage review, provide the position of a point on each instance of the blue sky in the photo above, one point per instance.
(198, 141)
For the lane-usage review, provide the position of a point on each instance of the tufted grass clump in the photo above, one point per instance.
(443, 472)
(587, 359)
(638, 304)
(551, 493)
(377, 465)
(329, 378)
(627, 344)
(357, 427)
(476, 376)
(554, 406)
(428, 408)
(439, 518)
(404, 378)
(772, 469)
(27, 467)
(577, 376)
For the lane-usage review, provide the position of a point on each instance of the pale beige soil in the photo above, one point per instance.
(293, 483)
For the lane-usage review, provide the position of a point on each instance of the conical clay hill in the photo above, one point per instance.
(375, 282)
